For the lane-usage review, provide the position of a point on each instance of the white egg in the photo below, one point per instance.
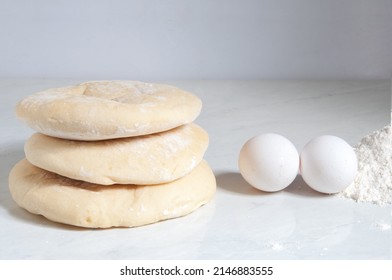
(269, 162)
(328, 164)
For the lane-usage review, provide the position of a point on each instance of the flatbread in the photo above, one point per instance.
(94, 206)
(141, 160)
(102, 110)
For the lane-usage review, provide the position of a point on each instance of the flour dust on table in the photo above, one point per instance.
(374, 180)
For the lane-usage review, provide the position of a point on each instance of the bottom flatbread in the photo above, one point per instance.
(83, 204)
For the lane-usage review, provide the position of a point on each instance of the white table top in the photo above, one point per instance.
(241, 222)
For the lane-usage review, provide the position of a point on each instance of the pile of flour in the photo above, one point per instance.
(374, 180)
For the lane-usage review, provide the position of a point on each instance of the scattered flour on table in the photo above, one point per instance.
(374, 179)
(276, 246)
(324, 251)
(382, 226)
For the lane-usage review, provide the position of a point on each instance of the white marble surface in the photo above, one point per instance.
(241, 222)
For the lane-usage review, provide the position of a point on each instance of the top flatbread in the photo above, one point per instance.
(108, 109)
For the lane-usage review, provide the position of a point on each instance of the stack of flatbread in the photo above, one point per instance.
(112, 154)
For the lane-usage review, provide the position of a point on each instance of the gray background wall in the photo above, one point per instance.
(196, 39)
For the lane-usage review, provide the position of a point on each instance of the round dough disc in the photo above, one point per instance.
(108, 109)
(94, 206)
(141, 160)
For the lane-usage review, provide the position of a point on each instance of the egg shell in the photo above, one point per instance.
(269, 162)
(328, 164)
